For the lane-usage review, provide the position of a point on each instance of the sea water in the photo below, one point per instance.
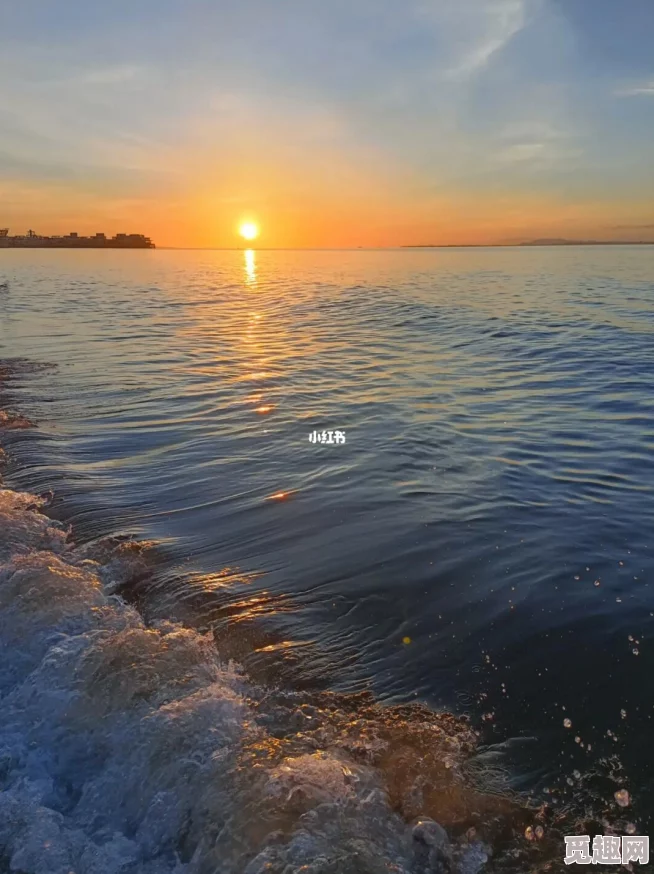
(226, 646)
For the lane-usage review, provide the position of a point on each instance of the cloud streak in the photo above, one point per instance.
(644, 90)
(503, 19)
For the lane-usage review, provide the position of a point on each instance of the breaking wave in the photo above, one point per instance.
(132, 747)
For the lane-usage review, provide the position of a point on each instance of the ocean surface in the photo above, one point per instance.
(226, 647)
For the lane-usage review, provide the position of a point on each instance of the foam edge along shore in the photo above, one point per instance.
(127, 747)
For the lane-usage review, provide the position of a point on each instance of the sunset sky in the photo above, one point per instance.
(329, 122)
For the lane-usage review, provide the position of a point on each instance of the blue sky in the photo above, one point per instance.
(426, 121)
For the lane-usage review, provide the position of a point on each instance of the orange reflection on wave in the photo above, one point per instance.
(250, 268)
(248, 608)
(225, 578)
(279, 496)
(282, 645)
(265, 408)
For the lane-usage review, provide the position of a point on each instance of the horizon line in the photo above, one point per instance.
(527, 244)
(402, 246)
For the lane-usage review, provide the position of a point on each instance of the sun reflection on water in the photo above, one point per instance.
(250, 268)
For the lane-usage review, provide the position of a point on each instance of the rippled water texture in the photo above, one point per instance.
(481, 543)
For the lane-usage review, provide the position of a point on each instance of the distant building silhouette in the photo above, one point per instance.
(32, 240)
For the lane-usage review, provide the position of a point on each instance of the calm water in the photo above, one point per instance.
(481, 543)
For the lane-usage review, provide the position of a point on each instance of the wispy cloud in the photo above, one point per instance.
(644, 89)
(542, 154)
(536, 143)
(502, 20)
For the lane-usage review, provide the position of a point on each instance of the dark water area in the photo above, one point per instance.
(480, 544)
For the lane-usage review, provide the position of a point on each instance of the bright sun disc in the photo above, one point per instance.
(249, 231)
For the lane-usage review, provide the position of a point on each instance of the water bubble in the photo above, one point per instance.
(577, 740)
(570, 781)
(623, 713)
(622, 797)
(576, 775)
(540, 831)
(635, 651)
(567, 722)
(577, 577)
(630, 828)
(529, 833)
(619, 600)
(596, 583)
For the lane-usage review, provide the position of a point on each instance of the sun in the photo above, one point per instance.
(249, 231)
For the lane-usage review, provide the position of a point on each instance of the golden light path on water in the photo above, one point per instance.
(250, 268)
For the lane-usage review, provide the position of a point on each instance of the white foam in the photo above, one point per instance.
(23, 530)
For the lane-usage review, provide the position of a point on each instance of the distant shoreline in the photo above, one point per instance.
(397, 248)
(527, 245)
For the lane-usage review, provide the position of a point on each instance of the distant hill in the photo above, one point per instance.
(553, 241)
(557, 241)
